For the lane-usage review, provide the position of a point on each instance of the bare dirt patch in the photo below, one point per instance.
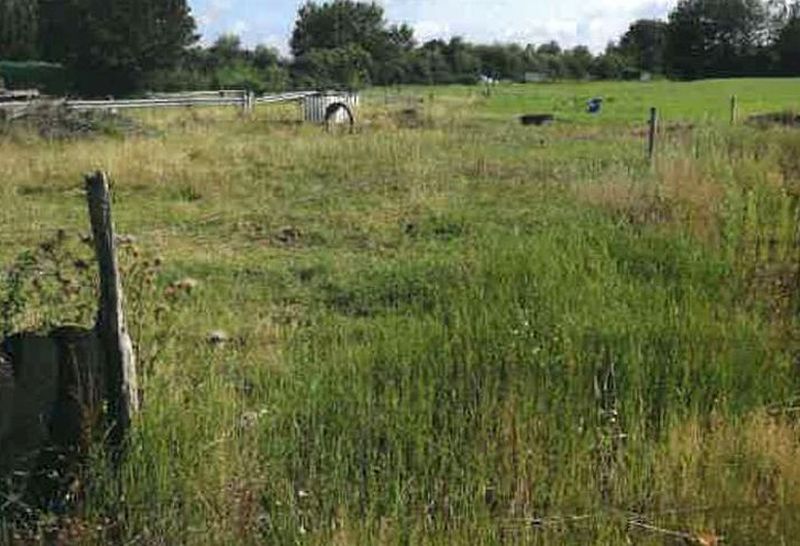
(775, 119)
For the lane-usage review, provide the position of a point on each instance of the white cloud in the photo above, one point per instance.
(276, 41)
(571, 22)
(428, 30)
(239, 27)
(213, 11)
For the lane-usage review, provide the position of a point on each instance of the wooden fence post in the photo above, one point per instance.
(122, 389)
(652, 134)
(734, 109)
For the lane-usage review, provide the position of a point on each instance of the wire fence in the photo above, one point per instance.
(665, 523)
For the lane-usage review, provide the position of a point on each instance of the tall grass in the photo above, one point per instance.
(456, 332)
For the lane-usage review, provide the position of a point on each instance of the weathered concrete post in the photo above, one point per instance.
(122, 388)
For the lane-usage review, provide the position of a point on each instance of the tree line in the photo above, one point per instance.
(123, 46)
(106, 45)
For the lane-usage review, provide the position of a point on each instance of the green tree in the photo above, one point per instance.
(644, 44)
(242, 75)
(227, 49)
(265, 57)
(392, 56)
(436, 65)
(550, 48)
(578, 61)
(502, 61)
(546, 59)
(611, 65)
(351, 28)
(347, 66)
(464, 63)
(112, 44)
(58, 28)
(337, 24)
(787, 44)
(707, 38)
(443, 62)
(19, 22)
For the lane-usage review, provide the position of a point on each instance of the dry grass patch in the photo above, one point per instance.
(699, 461)
(680, 194)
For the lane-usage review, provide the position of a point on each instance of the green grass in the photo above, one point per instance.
(430, 325)
(628, 102)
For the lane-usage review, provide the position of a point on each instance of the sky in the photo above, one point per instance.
(571, 22)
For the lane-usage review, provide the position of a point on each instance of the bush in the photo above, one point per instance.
(244, 76)
(175, 81)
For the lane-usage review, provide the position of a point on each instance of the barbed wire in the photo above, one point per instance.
(643, 520)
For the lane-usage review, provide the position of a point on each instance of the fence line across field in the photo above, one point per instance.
(243, 99)
(200, 99)
(187, 94)
(149, 103)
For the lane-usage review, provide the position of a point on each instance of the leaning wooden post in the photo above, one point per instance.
(121, 382)
(734, 109)
(652, 134)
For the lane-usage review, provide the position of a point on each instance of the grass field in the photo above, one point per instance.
(448, 328)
